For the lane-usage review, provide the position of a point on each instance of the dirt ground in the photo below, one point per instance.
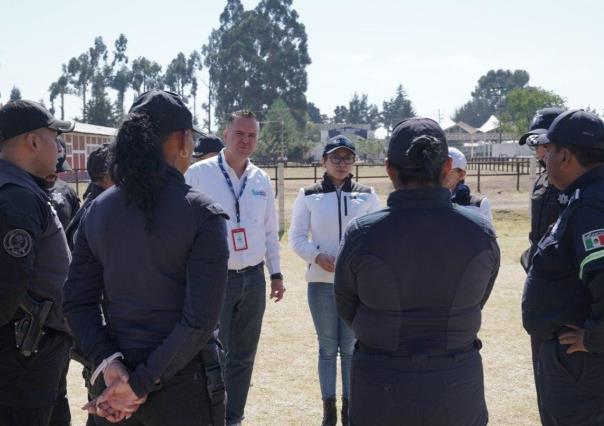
(285, 389)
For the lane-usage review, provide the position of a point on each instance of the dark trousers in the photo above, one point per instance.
(240, 325)
(572, 386)
(182, 401)
(29, 385)
(414, 391)
(536, 343)
(61, 415)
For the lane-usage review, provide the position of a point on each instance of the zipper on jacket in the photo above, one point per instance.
(345, 205)
(339, 215)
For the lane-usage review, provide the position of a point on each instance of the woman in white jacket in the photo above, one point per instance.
(320, 215)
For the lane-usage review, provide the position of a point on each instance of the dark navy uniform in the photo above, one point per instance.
(411, 281)
(65, 201)
(565, 285)
(34, 260)
(163, 294)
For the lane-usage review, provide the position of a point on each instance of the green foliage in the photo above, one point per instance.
(359, 111)
(521, 105)
(15, 94)
(314, 113)
(370, 149)
(258, 56)
(488, 97)
(146, 75)
(280, 135)
(396, 109)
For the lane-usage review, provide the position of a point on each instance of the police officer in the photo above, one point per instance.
(63, 197)
(563, 300)
(547, 202)
(413, 303)
(207, 146)
(97, 167)
(155, 253)
(34, 260)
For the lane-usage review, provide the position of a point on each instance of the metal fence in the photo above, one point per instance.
(477, 167)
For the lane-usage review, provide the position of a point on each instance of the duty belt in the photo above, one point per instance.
(475, 345)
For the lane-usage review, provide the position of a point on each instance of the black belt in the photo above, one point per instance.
(475, 345)
(246, 269)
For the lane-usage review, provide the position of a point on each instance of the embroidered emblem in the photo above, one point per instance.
(563, 198)
(17, 243)
(57, 197)
(593, 239)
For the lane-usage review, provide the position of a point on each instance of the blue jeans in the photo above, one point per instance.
(240, 325)
(333, 334)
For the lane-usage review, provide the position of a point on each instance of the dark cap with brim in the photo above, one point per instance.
(167, 111)
(542, 121)
(98, 162)
(407, 131)
(338, 142)
(207, 144)
(576, 128)
(19, 117)
(62, 163)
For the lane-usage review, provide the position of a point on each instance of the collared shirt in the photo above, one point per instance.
(257, 209)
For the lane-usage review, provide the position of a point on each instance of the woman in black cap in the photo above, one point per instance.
(413, 303)
(154, 252)
(322, 211)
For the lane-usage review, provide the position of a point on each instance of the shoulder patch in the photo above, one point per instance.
(593, 239)
(17, 243)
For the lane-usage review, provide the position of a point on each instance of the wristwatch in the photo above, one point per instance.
(277, 276)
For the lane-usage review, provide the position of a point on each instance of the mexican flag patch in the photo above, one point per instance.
(593, 239)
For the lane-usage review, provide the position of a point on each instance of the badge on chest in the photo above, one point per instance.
(239, 239)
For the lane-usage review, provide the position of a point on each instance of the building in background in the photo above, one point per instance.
(84, 139)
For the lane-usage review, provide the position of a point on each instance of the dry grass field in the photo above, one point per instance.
(285, 389)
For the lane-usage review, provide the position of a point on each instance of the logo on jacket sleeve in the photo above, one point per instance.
(17, 243)
(593, 239)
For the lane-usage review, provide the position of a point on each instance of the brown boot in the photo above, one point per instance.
(330, 413)
(345, 412)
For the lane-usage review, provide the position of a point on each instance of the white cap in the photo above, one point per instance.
(459, 160)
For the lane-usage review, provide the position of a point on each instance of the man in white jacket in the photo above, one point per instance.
(322, 212)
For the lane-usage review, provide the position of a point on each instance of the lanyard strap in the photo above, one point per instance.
(232, 188)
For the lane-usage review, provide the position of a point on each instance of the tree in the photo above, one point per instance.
(522, 103)
(194, 64)
(177, 76)
(146, 75)
(369, 149)
(258, 56)
(60, 88)
(488, 97)
(121, 77)
(359, 111)
(280, 135)
(15, 94)
(314, 113)
(99, 108)
(396, 109)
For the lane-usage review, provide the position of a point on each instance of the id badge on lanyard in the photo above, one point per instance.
(238, 235)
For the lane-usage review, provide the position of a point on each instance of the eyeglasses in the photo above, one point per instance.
(336, 159)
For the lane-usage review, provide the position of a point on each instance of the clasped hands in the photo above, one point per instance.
(118, 401)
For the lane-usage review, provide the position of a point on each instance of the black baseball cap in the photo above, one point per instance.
(167, 111)
(98, 162)
(18, 117)
(407, 131)
(542, 121)
(207, 144)
(62, 163)
(338, 142)
(577, 128)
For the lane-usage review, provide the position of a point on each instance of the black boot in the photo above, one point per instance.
(345, 412)
(330, 414)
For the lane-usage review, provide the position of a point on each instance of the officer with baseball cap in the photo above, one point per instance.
(563, 301)
(207, 146)
(34, 260)
(63, 197)
(414, 304)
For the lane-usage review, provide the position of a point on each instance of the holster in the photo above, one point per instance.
(214, 382)
(29, 329)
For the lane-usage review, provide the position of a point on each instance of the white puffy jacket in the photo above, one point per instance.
(320, 217)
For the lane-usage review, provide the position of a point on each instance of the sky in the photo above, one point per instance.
(437, 49)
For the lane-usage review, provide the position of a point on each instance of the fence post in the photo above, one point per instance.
(281, 192)
(356, 173)
(315, 172)
(518, 176)
(478, 185)
(77, 178)
(532, 178)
